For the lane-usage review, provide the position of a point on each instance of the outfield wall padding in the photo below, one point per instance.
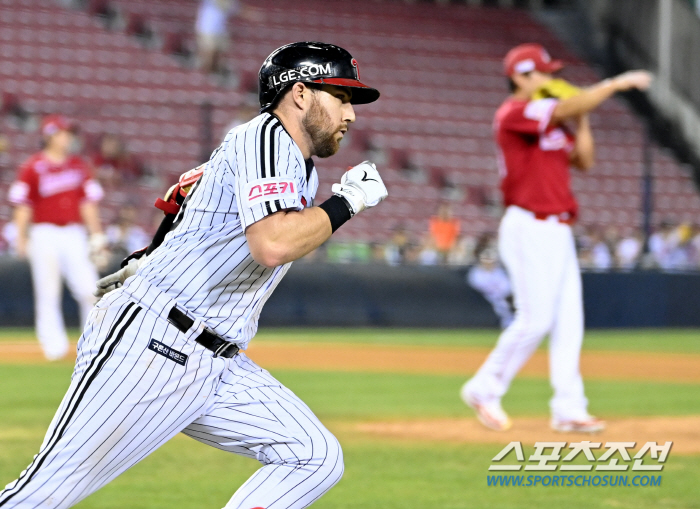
(379, 295)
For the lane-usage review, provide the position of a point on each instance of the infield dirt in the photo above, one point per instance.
(608, 365)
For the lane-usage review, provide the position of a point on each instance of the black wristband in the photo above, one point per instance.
(338, 211)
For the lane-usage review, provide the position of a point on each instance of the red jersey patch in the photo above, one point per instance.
(270, 189)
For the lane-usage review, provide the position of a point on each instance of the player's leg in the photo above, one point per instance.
(569, 404)
(124, 401)
(46, 281)
(257, 417)
(79, 271)
(534, 265)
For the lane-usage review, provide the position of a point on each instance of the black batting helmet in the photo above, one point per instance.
(311, 62)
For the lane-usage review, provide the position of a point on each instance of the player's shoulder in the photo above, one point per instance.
(264, 125)
(510, 106)
(32, 160)
(266, 140)
(77, 160)
(32, 167)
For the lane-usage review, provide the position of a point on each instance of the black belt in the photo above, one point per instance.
(207, 339)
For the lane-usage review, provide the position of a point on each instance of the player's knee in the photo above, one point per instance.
(532, 326)
(332, 465)
(323, 453)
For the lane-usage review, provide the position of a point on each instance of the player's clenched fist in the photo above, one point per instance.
(632, 79)
(362, 187)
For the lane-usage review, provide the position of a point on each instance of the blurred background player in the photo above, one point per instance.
(536, 243)
(488, 278)
(55, 202)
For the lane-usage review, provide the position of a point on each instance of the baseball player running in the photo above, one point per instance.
(488, 278)
(536, 148)
(55, 201)
(163, 353)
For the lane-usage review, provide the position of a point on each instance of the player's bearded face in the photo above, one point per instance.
(321, 129)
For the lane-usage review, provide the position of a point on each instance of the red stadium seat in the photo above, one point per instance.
(56, 59)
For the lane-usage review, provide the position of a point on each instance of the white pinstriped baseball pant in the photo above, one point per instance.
(540, 256)
(125, 401)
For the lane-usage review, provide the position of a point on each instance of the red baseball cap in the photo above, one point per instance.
(54, 123)
(530, 57)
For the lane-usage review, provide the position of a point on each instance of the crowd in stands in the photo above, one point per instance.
(671, 247)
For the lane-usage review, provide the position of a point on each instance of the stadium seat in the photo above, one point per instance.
(56, 59)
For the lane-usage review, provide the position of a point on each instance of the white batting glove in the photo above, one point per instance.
(116, 280)
(362, 187)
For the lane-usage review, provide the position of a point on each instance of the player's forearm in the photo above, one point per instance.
(22, 216)
(588, 100)
(287, 236)
(584, 151)
(91, 217)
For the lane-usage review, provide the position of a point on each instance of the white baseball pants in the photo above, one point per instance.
(57, 251)
(540, 256)
(125, 400)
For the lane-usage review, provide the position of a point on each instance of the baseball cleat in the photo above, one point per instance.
(589, 425)
(489, 414)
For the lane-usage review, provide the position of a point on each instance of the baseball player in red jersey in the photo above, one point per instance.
(55, 200)
(537, 144)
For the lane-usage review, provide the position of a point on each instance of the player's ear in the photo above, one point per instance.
(301, 95)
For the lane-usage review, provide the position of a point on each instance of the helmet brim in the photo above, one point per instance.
(361, 93)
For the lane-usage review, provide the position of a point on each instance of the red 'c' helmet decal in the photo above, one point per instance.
(356, 66)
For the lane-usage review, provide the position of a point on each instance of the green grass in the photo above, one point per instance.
(30, 394)
(383, 474)
(184, 474)
(389, 396)
(642, 340)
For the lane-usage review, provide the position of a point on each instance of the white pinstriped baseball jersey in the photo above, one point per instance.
(204, 263)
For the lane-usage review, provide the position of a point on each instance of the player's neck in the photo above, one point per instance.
(295, 129)
(520, 95)
(55, 156)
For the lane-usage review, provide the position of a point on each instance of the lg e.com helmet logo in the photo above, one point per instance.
(306, 71)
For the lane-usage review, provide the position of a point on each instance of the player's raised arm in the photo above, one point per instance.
(590, 98)
(582, 156)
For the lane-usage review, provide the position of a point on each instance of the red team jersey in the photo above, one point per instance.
(55, 191)
(534, 158)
